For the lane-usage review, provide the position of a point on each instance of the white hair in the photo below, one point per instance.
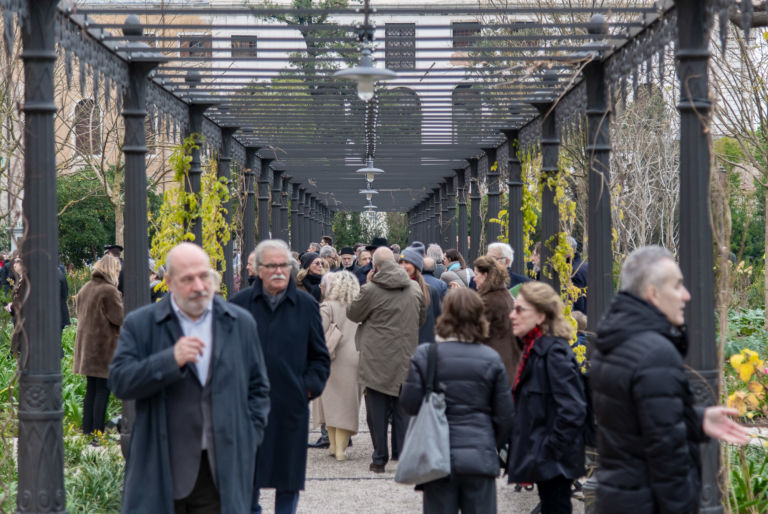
(271, 244)
(327, 251)
(326, 282)
(345, 288)
(641, 269)
(435, 252)
(506, 251)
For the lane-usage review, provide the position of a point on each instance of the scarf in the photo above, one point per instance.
(312, 284)
(528, 340)
(455, 266)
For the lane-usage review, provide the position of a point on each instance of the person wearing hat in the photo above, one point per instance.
(310, 275)
(348, 259)
(411, 259)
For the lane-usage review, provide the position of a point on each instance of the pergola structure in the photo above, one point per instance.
(297, 135)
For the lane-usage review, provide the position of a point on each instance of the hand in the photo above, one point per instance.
(187, 349)
(8, 307)
(719, 425)
(369, 276)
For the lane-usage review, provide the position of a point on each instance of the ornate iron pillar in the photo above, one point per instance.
(295, 237)
(437, 222)
(136, 291)
(421, 213)
(492, 230)
(461, 189)
(307, 220)
(312, 220)
(600, 272)
(198, 104)
(515, 201)
(252, 164)
(443, 241)
(277, 187)
(696, 246)
(284, 230)
(224, 170)
(475, 225)
(427, 217)
(301, 238)
(450, 215)
(40, 444)
(265, 179)
(550, 222)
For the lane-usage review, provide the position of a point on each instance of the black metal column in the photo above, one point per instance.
(475, 223)
(265, 179)
(515, 201)
(197, 106)
(224, 170)
(550, 221)
(421, 213)
(284, 209)
(252, 166)
(492, 230)
(301, 226)
(450, 220)
(136, 290)
(295, 236)
(461, 190)
(277, 187)
(437, 222)
(40, 444)
(600, 272)
(307, 220)
(696, 246)
(443, 241)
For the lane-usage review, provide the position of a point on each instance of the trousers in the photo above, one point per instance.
(380, 408)
(470, 494)
(204, 498)
(95, 404)
(555, 495)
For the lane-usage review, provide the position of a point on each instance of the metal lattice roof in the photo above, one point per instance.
(465, 71)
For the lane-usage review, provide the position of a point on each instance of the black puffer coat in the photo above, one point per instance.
(478, 403)
(648, 429)
(547, 438)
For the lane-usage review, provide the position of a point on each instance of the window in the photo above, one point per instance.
(195, 45)
(244, 46)
(87, 128)
(400, 46)
(462, 31)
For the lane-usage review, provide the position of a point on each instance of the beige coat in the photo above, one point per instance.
(390, 310)
(339, 405)
(99, 318)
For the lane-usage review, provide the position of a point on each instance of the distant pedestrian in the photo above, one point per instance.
(478, 406)
(429, 277)
(412, 260)
(390, 308)
(348, 259)
(436, 253)
(312, 271)
(547, 440)
(457, 273)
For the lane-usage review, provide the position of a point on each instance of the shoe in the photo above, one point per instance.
(376, 468)
(322, 442)
(395, 457)
(350, 443)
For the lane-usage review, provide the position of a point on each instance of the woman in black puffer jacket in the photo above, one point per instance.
(547, 441)
(478, 405)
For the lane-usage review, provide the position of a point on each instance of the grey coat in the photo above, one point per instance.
(390, 310)
(144, 367)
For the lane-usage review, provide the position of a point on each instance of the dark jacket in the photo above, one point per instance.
(61, 274)
(427, 329)
(144, 368)
(547, 438)
(478, 403)
(498, 304)
(439, 286)
(648, 429)
(579, 279)
(310, 284)
(361, 272)
(298, 365)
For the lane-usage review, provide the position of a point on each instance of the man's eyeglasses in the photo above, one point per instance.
(273, 267)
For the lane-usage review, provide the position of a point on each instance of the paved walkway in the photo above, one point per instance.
(348, 487)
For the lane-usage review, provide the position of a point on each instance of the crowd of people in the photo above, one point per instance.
(224, 389)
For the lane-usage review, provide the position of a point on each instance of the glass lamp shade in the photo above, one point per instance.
(366, 75)
(370, 171)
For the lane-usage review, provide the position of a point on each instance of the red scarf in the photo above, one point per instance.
(528, 340)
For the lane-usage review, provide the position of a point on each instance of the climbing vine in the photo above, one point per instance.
(531, 169)
(180, 208)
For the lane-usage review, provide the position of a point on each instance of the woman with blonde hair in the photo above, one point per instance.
(547, 439)
(340, 401)
(492, 280)
(99, 318)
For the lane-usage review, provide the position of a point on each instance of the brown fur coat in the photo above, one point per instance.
(498, 304)
(99, 318)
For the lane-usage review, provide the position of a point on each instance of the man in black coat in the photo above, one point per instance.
(193, 364)
(298, 365)
(648, 428)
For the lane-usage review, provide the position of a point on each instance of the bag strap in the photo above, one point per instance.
(432, 368)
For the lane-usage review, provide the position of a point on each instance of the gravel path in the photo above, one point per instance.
(348, 487)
